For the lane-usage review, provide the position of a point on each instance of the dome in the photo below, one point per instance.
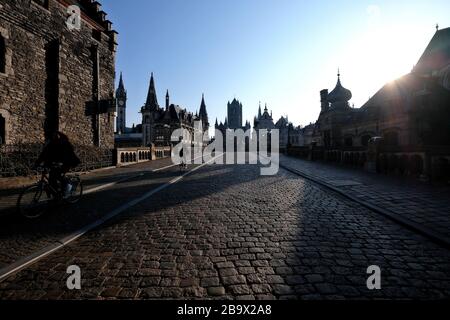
(339, 94)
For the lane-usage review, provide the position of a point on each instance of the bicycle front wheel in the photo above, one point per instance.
(33, 202)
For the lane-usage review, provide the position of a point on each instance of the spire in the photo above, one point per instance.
(152, 100)
(259, 111)
(203, 113)
(121, 89)
(437, 27)
(167, 100)
(121, 81)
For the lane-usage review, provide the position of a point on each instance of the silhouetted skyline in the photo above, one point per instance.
(279, 52)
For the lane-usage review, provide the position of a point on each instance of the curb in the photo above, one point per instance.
(432, 235)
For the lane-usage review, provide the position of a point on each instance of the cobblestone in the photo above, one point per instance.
(311, 245)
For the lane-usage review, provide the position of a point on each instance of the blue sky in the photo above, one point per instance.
(279, 52)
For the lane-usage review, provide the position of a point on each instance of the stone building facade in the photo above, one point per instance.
(158, 124)
(54, 78)
(402, 129)
(233, 121)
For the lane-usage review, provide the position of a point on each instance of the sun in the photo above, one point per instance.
(379, 56)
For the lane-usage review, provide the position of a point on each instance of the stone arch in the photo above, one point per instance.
(122, 157)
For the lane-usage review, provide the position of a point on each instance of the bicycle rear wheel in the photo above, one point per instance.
(33, 202)
(77, 190)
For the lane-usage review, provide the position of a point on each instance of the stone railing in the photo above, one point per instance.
(19, 159)
(425, 162)
(133, 155)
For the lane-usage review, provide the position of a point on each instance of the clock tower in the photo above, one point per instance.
(121, 99)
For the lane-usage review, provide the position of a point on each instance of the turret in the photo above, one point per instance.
(324, 104)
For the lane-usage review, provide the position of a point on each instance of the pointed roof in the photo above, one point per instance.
(339, 94)
(437, 53)
(203, 113)
(152, 100)
(121, 89)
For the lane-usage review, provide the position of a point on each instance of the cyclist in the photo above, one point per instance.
(183, 163)
(59, 156)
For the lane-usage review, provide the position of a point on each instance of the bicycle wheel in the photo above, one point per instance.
(77, 190)
(33, 202)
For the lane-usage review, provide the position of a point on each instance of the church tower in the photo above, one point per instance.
(121, 101)
(149, 113)
(204, 115)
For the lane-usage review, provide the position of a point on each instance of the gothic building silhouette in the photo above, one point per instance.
(158, 123)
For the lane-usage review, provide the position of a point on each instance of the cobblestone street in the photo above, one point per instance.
(225, 232)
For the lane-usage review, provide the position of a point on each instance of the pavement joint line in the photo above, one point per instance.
(48, 250)
(432, 235)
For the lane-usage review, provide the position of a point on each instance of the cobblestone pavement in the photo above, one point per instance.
(420, 203)
(20, 237)
(225, 232)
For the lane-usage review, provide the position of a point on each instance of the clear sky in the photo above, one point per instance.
(279, 52)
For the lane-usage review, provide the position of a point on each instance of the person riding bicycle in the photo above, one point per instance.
(183, 162)
(59, 156)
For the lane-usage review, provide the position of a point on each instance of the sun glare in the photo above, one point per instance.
(379, 56)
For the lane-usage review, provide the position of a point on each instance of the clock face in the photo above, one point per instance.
(121, 103)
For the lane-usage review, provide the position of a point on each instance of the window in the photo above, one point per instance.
(2, 130)
(2, 55)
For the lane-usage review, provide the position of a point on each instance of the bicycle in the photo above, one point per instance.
(34, 201)
(183, 166)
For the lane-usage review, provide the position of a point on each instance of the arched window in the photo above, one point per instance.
(2, 130)
(2, 55)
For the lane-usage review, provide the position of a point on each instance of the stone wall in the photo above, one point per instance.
(49, 82)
